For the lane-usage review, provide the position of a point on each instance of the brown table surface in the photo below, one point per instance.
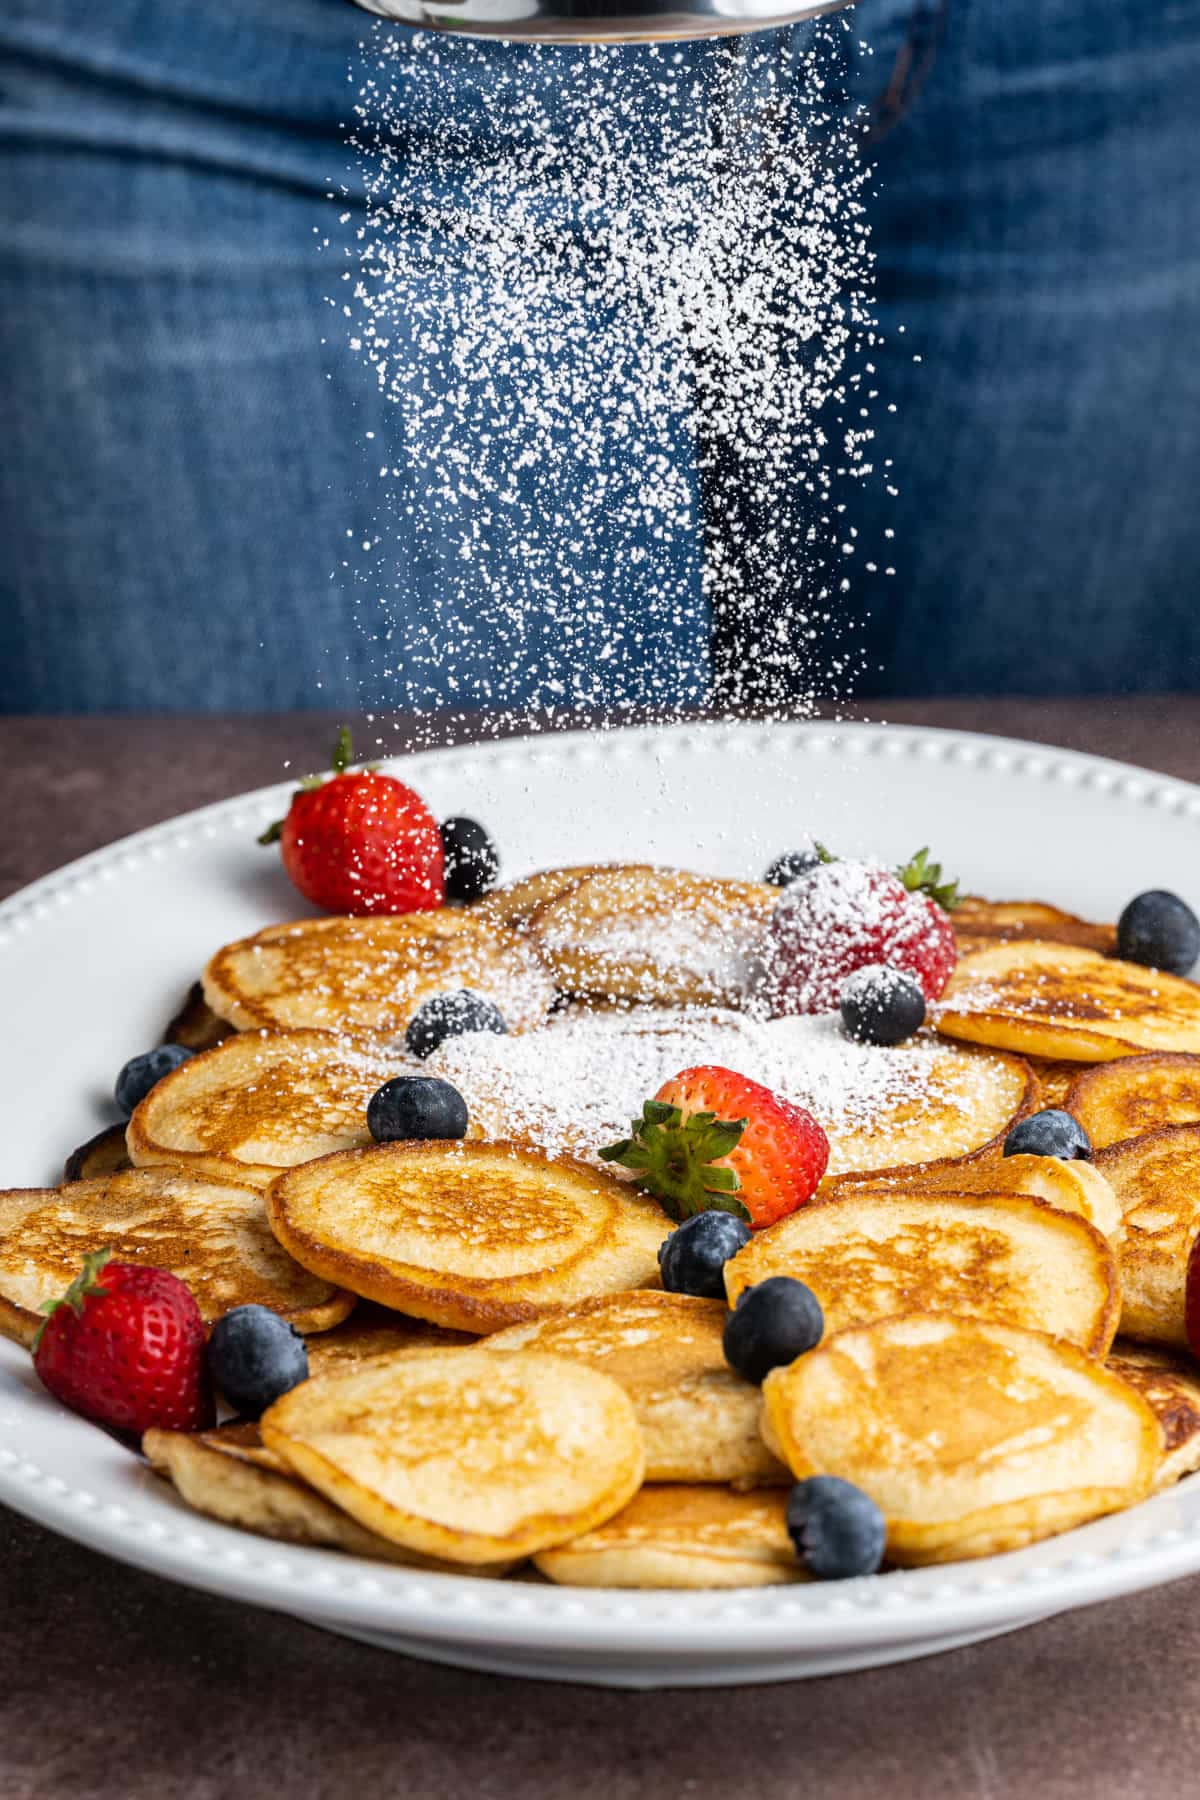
(115, 1683)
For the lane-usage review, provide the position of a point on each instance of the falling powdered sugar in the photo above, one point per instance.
(620, 300)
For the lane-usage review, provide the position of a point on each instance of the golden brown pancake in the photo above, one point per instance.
(217, 1480)
(699, 1420)
(660, 936)
(1157, 1182)
(1063, 1002)
(515, 903)
(464, 1455)
(212, 1234)
(989, 1256)
(972, 1437)
(260, 1102)
(1139, 1094)
(1075, 1187)
(368, 976)
(682, 1537)
(1170, 1384)
(1002, 921)
(196, 1026)
(104, 1154)
(1054, 1078)
(471, 1236)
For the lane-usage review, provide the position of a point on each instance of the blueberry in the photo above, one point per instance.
(1161, 931)
(881, 1005)
(693, 1258)
(774, 1322)
(141, 1073)
(254, 1356)
(838, 1530)
(416, 1106)
(1049, 1133)
(472, 864)
(451, 1015)
(791, 866)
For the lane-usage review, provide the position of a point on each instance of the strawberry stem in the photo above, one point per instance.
(920, 876)
(675, 1159)
(343, 752)
(85, 1284)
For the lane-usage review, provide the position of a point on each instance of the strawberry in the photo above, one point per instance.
(710, 1135)
(361, 842)
(125, 1346)
(846, 916)
(1191, 1303)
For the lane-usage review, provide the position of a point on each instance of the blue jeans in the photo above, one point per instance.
(184, 490)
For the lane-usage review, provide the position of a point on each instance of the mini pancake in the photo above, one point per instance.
(471, 1236)
(991, 1256)
(515, 903)
(660, 936)
(260, 1102)
(196, 1026)
(699, 1420)
(1170, 1384)
(972, 1437)
(368, 976)
(463, 1455)
(1074, 1187)
(377, 1331)
(104, 1154)
(1054, 1078)
(1003, 921)
(212, 1234)
(958, 1107)
(1063, 1002)
(224, 1485)
(1139, 1094)
(682, 1537)
(1157, 1183)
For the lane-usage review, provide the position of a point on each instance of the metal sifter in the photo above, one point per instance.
(599, 21)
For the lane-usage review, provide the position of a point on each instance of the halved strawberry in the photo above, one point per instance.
(715, 1140)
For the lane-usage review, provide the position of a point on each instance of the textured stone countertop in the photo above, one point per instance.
(117, 1684)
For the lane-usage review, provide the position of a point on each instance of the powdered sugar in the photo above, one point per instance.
(621, 301)
(575, 1086)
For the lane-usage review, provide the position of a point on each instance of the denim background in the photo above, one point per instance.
(181, 457)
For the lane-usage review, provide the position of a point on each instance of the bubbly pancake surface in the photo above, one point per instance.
(1157, 1183)
(464, 1455)
(1061, 1001)
(699, 1420)
(472, 1236)
(262, 1101)
(368, 976)
(682, 1536)
(972, 1437)
(1014, 1260)
(1136, 1095)
(576, 1085)
(212, 1234)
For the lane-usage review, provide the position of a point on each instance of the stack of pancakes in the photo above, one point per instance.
(495, 1374)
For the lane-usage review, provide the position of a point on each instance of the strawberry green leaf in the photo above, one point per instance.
(272, 834)
(85, 1284)
(920, 876)
(677, 1159)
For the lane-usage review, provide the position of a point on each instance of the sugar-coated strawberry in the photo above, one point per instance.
(847, 916)
(125, 1346)
(715, 1140)
(361, 842)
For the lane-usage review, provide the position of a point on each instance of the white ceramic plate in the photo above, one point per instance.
(93, 960)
